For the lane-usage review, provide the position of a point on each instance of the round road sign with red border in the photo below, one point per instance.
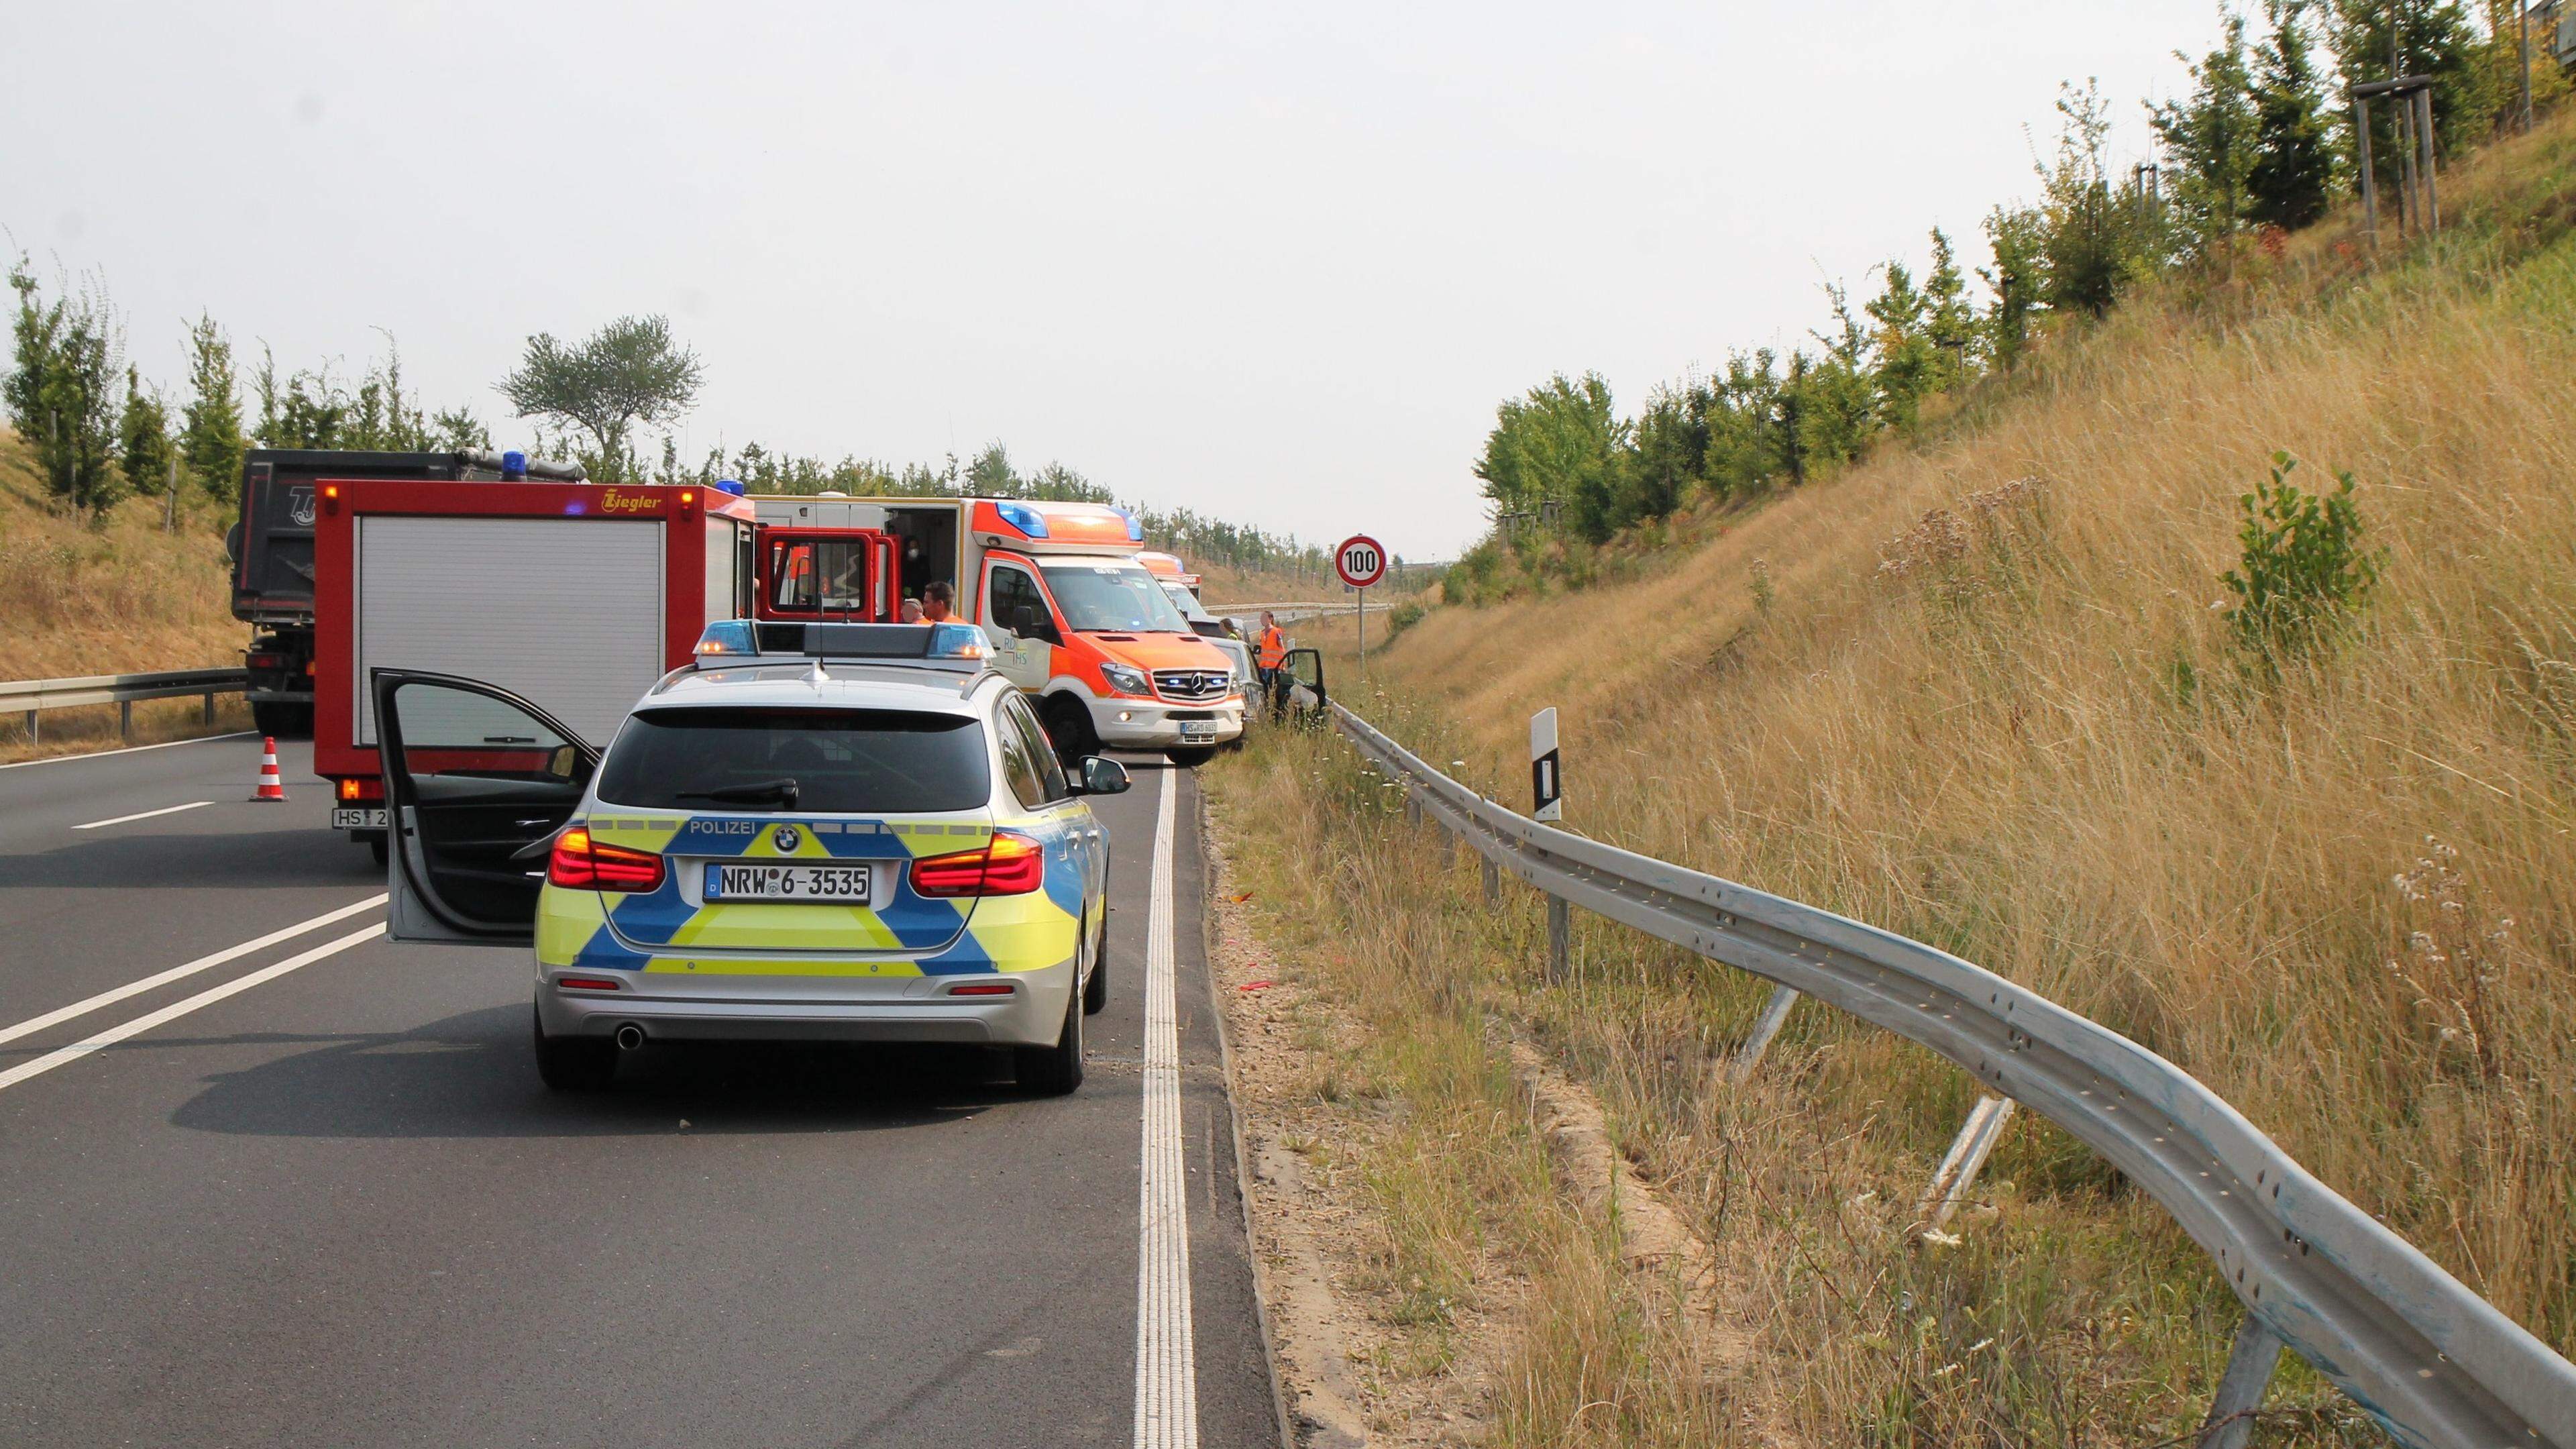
(1360, 561)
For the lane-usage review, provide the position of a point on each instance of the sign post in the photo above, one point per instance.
(1547, 802)
(1361, 561)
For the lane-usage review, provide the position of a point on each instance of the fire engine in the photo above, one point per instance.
(573, 596)
(1074, 618)
(271, 546)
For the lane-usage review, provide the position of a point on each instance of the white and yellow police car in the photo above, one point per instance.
(866, 838)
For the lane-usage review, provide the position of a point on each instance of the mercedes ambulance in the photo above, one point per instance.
(1074, 619)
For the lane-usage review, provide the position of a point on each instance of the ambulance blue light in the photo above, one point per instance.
(725, 639)
(1030, 522)
(514, 466)
(1135, 526)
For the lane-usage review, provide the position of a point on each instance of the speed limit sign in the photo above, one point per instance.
(1360, 561)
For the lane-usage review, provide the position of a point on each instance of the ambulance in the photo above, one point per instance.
(1074, 619)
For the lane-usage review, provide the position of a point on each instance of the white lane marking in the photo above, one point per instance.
(137, 988)
(1167, 1379)
(132, 750)
(144, 814)
(208, 997)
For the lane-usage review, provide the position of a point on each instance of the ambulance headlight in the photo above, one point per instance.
(1126, 679)
(726, 639)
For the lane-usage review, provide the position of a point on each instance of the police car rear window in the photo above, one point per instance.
(841, 761)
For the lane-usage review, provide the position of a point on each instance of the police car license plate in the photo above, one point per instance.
(1198, 729)
(846, 885)
(345, 817)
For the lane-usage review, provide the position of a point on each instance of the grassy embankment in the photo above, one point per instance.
(77, 599)
(2006, 719)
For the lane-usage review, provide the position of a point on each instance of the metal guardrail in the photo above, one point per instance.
(34, 696)
(2434, 1362)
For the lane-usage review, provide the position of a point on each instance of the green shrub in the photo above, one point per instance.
(2303, 573)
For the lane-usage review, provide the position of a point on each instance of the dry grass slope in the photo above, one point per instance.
(2006, 719)
(77, 599)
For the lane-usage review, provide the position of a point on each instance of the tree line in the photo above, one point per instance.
(2262, 145)
(101, 434)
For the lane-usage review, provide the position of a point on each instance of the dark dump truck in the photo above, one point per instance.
(272, 554)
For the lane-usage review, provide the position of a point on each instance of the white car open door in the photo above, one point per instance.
(478, 782)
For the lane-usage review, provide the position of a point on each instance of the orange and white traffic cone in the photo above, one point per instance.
(272, 788)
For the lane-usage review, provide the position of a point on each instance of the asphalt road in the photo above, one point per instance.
(319, 1197)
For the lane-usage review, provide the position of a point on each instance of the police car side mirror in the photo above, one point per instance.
(1103, 777)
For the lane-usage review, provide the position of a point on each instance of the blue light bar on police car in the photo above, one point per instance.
(727, 640)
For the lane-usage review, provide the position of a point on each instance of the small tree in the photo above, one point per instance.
(2211, 138)
(2091, 243)
(210, 434)
(143, 432)
(2302, 571)
(1949, 316)
(2018, 279)
(2292, 179)
(628, 372)
(61, 393)
(1907, 363)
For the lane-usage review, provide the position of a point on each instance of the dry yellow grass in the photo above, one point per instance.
(2037, 750)
(77, 599)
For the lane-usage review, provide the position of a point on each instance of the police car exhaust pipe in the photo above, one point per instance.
(629, 1037)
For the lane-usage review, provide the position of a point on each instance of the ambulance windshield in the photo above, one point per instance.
(1100, 598)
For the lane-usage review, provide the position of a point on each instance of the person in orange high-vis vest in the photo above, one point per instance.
(1273, 654)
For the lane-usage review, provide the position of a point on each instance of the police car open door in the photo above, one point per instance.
(477, 784)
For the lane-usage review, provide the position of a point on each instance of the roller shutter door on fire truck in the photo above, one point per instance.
(566, 613)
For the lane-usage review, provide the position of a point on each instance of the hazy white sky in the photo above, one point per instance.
(1278, 264)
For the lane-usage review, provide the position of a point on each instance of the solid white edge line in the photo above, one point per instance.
(1167, 1398)
(164, 978)
(177, 1009)
(131, 750)
(144, 814)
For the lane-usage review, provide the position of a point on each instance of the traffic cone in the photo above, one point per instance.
(272, 788)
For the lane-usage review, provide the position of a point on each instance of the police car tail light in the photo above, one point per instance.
(582, 864)
(1011, 865)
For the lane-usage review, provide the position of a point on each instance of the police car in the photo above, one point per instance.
(862, 838)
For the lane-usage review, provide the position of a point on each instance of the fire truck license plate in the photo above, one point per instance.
(845, 885)
(361, 818)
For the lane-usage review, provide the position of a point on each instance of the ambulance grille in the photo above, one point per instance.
(1192, 684)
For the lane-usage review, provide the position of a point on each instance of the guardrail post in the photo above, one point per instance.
(208, 717)
(1774, 1016)
(1493, 880)
(33, 715)
(125, 719)
(1560, 926)
(2240, 1389)
(1958, 1171)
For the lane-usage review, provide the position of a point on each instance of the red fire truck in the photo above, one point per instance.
(574, 595)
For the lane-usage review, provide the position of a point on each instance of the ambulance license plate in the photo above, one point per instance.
(364, 817)
(1198, 729)
(843, 885)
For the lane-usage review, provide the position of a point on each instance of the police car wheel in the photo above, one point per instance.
(575, 1063)
(1095, 993)
(1054, 1071)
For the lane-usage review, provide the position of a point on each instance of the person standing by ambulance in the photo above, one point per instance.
(1272, 660)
